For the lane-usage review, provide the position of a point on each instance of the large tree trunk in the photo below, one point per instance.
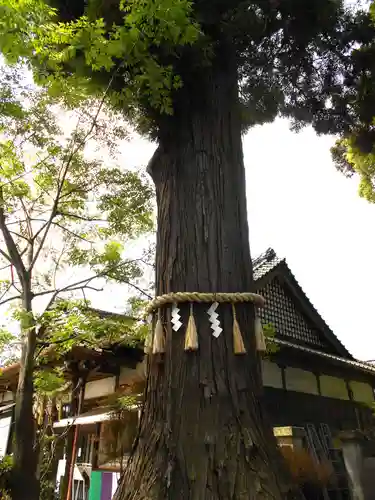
(25, 483)
(203, 434)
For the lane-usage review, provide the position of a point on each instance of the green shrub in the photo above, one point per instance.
(6, 465)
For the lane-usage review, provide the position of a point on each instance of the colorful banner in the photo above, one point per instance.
(102, 485)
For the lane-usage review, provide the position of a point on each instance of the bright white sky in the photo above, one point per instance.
(311, 215)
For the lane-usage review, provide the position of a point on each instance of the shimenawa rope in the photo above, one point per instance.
(157, 343)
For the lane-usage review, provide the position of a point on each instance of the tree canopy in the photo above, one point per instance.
(65, 221)
(354, 152)
(295, 59)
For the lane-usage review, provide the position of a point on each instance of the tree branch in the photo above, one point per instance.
(19, 235)
(85, 287)
(84, 282)
(46, 227)
(57, 263)
(9, 299)
(137, 288)
(5, 292)
(82, 189)
(80, 217)
(12, 223)
(69, 288)
(30, 246)
(16, 178)
(65, 169)
(14, 255)
(72, 232)
(5, 255)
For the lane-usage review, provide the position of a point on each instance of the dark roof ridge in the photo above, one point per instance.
(363, 365)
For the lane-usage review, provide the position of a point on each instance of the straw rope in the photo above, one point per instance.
(221, 298)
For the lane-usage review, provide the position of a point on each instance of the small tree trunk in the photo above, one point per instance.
(203, 434)
(25, 484)
(52, 450)
(57, 447)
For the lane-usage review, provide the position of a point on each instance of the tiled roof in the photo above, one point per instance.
(265, 263)
(268, 262)
(367, 367)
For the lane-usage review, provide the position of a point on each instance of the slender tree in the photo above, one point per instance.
(58, 211)
(194, 75)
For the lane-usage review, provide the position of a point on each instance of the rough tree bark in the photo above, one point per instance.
(25, 484)
(203, 434)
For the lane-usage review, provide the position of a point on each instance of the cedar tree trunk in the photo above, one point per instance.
(203, 434)
(25, 483)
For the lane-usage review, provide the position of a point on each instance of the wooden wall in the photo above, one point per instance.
(286, 408)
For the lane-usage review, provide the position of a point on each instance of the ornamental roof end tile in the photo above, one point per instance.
(265, 263)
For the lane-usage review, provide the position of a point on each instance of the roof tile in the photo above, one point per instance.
(265, 263)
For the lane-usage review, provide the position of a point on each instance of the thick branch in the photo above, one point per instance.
(14, 255)
(6, 256)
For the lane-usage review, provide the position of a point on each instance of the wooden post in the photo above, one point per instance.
(72, 464)
(81, 390)
(353, 459)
